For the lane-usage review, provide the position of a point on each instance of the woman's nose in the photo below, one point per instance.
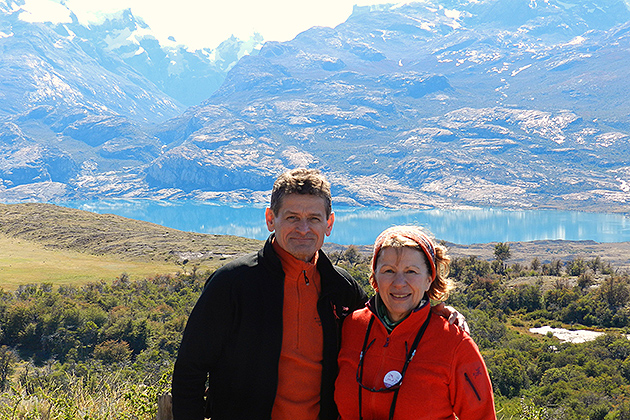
(399, 279)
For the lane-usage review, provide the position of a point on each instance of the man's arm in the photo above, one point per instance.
(200, 348)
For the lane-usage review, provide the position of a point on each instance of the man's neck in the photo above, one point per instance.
(279, 249)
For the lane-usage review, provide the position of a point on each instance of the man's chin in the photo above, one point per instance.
(302, 253)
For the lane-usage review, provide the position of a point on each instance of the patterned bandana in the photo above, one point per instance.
(409, 232)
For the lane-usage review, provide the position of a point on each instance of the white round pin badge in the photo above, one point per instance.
(391, 378)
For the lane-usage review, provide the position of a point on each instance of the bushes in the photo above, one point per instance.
(41, 323)
(108, 347)
(554, 380)
(97, 352)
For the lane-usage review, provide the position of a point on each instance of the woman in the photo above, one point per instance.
(396, 360)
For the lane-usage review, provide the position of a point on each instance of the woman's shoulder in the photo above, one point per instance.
(447, 331)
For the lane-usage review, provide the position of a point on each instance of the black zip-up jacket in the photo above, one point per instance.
(233, 339)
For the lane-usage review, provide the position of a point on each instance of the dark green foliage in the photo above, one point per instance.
(129, 333)
(576, 267)
(71, 323)
(81, 347)
(7, 360)
(558, 380)
(469, 269)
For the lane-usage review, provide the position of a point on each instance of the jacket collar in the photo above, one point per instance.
(329, 276)
(410, 323)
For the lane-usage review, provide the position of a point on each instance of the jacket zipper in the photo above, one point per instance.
(472, 386)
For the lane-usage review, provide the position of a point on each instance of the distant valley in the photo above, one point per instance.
(440, 104)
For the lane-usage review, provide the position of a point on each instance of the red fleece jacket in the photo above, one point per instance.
(300, 367)
(446, 378)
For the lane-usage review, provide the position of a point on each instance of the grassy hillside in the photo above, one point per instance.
(48, 243)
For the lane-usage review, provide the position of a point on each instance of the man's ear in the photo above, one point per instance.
(330, 222)
(270, 219)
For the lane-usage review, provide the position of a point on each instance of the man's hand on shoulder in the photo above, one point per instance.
(453, 316)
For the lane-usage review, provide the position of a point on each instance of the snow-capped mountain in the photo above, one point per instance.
(492, 103)
(509, 103)
(88, 94)
(189, 76)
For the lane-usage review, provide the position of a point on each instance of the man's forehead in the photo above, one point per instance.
(308, 203)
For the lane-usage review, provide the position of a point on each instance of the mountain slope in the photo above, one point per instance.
(444, 103)
(64, 228)
(493, 103)
(78, 100)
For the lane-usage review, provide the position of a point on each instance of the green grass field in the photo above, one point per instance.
(25, 262)
(44, 243)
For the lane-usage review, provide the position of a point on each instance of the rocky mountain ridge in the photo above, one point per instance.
(436, 104)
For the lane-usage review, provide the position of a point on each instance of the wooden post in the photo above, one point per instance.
(165, 407)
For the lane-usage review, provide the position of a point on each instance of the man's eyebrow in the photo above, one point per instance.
(308, 215)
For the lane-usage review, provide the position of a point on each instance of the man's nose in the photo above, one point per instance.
(303, 226)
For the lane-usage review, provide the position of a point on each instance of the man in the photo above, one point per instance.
(265, 332)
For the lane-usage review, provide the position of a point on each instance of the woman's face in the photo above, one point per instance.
(402, 277)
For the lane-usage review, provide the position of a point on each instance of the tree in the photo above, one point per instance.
(576, 267)
(7, 359)
(502, 252)
(352, 255)
(535, 264)
(113, 351)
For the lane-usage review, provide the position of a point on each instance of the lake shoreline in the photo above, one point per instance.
(361, 225)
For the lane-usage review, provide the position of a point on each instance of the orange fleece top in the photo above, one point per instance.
(300, 367)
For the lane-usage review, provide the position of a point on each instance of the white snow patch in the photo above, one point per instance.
(502, 69)
(453, 14)
(515, 72)
(71, 35)
(577, 40)
(575, 336)
(299, 158)
(427, 26)
(609, 139)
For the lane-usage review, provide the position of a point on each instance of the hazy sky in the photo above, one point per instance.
(199, 23)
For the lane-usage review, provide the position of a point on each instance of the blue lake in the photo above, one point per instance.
(360, 226)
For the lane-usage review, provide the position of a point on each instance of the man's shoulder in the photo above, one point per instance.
(343, 273)
(243, 262)
(236, 269)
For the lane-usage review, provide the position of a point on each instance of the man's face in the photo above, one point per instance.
(300, 224)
